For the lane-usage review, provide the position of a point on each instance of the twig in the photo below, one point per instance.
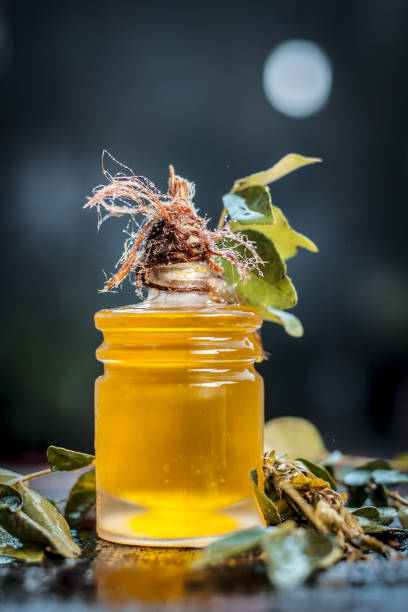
(398, 498)
(30, 476)
(303, 505)
(222, 219)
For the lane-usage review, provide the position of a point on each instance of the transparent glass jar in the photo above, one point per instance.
(179, 420)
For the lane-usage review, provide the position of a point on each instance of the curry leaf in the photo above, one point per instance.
(295, 437)
(10, 499)
(13, 548)
(267, 506)
(403, 516)
(291, 324)
(292, 558)
(272, 289)
(81, 499)
(320, 472)
(64, 460)
(230, 546)
(373, 519)
(39, 521)
(251, 205)
(284, 166)
(8, 476)
(286, 240)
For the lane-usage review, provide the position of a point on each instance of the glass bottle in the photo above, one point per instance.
(179, 415)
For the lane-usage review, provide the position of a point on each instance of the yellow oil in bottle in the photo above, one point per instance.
(179, 420)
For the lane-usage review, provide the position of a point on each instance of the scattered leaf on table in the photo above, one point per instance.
(320, 472)
(295, 437)
(64, 460)
(292, 558)
(373, 519)
(81, 499)
(8, 476)
(15, 549)
(251, 205)
(403, 516)
(230, 546)
(40, 521)
(268, 508)
(10, 499)
(288, 163)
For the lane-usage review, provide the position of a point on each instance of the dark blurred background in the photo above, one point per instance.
(220, 89)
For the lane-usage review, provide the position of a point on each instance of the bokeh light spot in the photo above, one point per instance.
(297, 78)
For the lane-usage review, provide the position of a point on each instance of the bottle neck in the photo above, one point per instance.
(180, 278)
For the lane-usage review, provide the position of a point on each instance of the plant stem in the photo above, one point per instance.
(30, 476)
(303, 505)
(397, 497)
(222, 219)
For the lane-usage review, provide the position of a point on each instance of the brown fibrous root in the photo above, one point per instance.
(166, 228)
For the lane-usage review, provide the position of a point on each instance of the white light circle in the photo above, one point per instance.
(297, 78)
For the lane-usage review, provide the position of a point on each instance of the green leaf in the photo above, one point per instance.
(389, 478)
(81, 499)
(284, 166)
(369, 512)
(252, 205)
(292, 557)
(378, 471)
(295, 437)
(64, 460)
(291, 324)
(10, 499)
(286, 240)
(267, 506)
(230, 546)
(39, 521)
(403, 516)
(8, 476)
(13, 548)
(272, 289)
(373, 519)
(320, 472)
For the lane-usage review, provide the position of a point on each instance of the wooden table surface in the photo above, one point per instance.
(114, 577)
(110, 577)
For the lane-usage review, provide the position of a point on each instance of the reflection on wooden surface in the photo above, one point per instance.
(125, 574)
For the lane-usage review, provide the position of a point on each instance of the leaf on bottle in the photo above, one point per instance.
(295, 437)
(403, 516)
(10, 499)
(292, 557)
(274, 288)
(240, 542)
(286, 240)
(15, 549)
(268, 507)
(81, 499)
(284, 166)
(290, 323)
(252, 205)
(320, 472)
(64, 460)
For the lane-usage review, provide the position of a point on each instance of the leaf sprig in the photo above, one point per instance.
(252, 214)
(30, 524)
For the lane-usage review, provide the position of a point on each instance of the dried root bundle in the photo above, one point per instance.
(170, 231)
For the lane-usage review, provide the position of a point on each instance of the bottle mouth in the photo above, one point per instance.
(179, 277)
